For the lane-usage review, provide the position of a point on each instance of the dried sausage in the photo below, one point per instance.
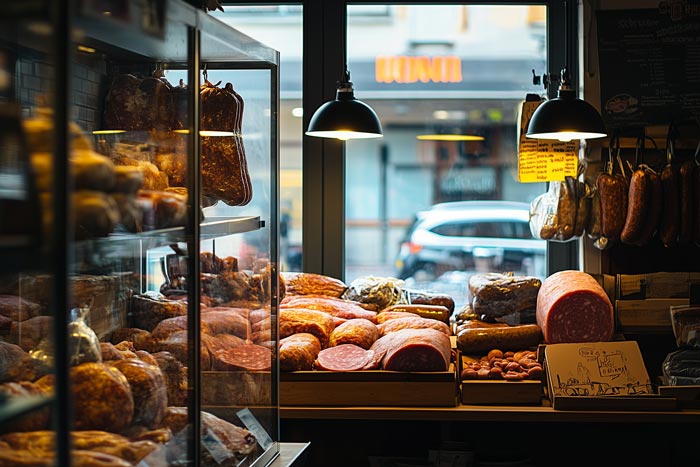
(566, 208)
(653, 215)
(685, 233)
(583, 209)
(613, 204)
(476, 340)
(638, 201)
(438, 312)
(668, 229)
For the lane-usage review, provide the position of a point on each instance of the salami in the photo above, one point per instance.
(247, 357)
(359, 331)
(298, 352)
(573, 307)
(294, 321)
(414, 350)
(337, 307)
(344, 357)
(415, 322)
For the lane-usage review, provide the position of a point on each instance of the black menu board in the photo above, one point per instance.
(649, 66)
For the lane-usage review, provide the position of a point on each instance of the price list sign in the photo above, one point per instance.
(649, 65)
(542, 160)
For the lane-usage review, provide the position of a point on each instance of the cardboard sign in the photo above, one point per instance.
(541, 160)
(596, 369)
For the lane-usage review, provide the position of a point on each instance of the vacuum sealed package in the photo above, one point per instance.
(562, 213)
(682, 367)
(379, 292)
(685, 321)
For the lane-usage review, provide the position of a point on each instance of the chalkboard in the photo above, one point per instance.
(649, 66)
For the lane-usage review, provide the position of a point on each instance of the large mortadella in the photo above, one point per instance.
(573, 307)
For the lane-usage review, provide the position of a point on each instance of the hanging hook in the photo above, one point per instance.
(204, 74)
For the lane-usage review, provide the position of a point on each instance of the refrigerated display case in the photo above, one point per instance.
(138, 211)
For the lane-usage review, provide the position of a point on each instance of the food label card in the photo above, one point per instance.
(597, 369)
(541, 160)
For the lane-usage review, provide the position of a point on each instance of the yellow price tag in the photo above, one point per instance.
(541, 160)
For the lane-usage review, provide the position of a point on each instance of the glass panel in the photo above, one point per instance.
(130, 122)
(239, 170)
(410, 204)
(280, 27)
(27, 307)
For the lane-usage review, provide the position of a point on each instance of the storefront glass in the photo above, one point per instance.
(434, 69)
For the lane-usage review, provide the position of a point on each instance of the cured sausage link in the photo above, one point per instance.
(637, 206)
(668, 229)
(685, 234)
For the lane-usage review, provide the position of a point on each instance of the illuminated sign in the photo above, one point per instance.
(405, 69)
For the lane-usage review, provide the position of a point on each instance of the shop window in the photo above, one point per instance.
(440, 73)
(280, 27)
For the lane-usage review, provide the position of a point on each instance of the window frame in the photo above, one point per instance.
(323, 160)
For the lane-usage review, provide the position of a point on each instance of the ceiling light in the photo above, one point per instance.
(566, 117)
(298, 112)
(107, 132)
(345, 117)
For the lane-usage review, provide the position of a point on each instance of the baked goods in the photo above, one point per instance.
(306, 283)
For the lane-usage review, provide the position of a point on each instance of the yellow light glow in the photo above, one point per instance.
(86, 49)
(108, 132)
(216, 133)
(449, 137)
(343, 135)
(566, 135)
(210, 133)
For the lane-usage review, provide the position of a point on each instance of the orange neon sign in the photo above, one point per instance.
(407, 69)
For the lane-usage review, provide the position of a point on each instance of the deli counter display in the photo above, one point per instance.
(138, 214)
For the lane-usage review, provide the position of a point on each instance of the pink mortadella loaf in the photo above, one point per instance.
(573, 307)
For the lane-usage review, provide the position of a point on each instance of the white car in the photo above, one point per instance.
(482, 236)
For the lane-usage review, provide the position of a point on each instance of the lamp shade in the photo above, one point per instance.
(345, 117)
(566, 117)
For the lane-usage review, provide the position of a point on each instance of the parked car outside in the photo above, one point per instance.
(478, 236)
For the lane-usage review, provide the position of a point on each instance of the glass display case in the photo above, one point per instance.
(139, 275)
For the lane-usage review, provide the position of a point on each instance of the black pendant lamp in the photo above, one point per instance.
(345, 117)
(566, 117)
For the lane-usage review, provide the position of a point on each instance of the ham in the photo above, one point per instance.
(413, 350)
(573, 307)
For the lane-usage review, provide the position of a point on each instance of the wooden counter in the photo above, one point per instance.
(482, 413)
(534, 436)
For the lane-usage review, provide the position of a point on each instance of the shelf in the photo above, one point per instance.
(22, 259)
(490, 413)
(14, 407)
(212, 227)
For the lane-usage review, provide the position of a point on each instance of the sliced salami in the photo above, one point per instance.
(344, 357)
(573, 307)
(247, 357)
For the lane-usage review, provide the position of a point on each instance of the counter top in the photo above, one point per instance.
(474, 413)
(290, 454)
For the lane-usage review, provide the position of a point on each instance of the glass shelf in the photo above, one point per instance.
(14, 407)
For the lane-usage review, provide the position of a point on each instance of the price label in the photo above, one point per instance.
(254, 426)
(541, 160)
